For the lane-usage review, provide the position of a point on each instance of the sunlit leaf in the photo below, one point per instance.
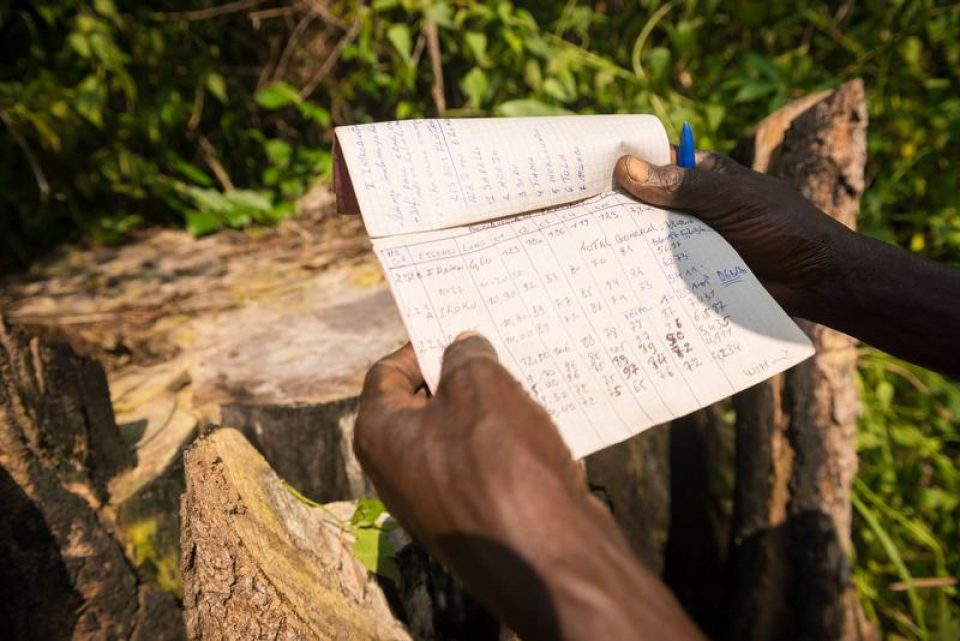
(367, 512)
(277, 95)
(476, 86)
(528, 107)
(200, 223)
(217, 86)
(399, 37)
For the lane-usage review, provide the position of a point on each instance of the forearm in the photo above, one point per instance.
(895, 301)
(561, 569)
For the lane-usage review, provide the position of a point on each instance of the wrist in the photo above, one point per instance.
(568, 572)
(834, 289)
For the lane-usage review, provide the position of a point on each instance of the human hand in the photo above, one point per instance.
(795, 249)
(480, 476)
(477, 458)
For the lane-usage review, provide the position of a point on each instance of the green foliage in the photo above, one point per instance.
(113, 116)
(370, 525)
(908, 496)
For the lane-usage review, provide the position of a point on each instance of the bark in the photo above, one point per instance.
(633, 479)
(59, 447)
(701, 457)
(434, 605)
(789, 563)
(259, 563)
(310, 445)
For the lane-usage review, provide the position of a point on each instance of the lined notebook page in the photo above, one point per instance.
(614, 315)
(420, 175)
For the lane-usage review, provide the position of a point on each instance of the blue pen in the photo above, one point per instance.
(686, 149)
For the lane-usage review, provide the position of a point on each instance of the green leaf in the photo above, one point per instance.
(237, 218)
(200, 223)
(477, 43)
(532, 75)
(439, 12)
(191, 172)
(399, 37)
(528, 107)
(210, 200)
(313, 112)
(555, 89)
(79, 43)
(375, 552)
(217, 86)
(884, 394)
(476, 86)
(248, 199)
(764, 66)
(367, 512)
(715, 115)
(280, 211)
(89, 100)
(658, 62)
(753, 90)
(105, 8)
(277, 96)
(278, 151)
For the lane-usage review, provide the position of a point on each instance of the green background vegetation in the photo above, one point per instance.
(115, 115)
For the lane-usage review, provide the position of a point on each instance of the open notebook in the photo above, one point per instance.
(614, 315)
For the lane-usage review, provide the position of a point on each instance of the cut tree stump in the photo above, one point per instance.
(258, 563)
(789, 564)
(64, 574)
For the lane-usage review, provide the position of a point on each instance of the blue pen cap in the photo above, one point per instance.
(686, 150)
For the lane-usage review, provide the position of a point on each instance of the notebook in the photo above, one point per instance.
(614, 315)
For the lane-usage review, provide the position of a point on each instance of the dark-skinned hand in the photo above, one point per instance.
(815, 267)
(480, 475)
(788, 243)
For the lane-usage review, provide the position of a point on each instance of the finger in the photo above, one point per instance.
(394, 380)
(668, 185)
(718, 163)
(466, 347)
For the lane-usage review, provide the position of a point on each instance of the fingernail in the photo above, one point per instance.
(469, 334)
(637, 169)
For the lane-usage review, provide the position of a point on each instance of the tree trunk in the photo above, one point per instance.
(64, 574)
(701, 458)
(258, 563)
(789, 563)
(310, 445)
(633, 479)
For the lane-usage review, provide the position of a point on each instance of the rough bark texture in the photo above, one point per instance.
(59, 447)
(701, 456)
(633, 479)
(433, 604)
(796, 458)
(309, 445)
(259, 563)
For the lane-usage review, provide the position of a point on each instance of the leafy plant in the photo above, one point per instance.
(370, 525)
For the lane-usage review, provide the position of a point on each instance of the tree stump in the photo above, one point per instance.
(796, 453)
(258, 563)
(64, 573)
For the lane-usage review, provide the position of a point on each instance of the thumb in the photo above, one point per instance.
(467, 347)
(666, 185)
